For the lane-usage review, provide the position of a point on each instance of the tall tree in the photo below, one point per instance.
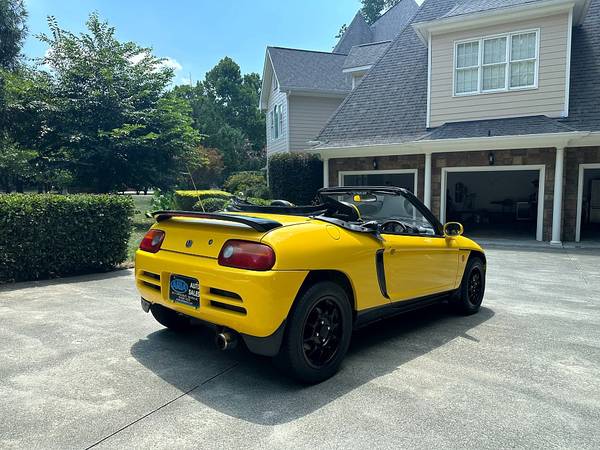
(371, 10)
(225, 112)
(13, 29)
(112, 117)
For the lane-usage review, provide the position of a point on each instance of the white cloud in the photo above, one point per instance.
(172, 64)
(168, 62)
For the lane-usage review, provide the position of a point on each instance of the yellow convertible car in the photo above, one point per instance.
(293, 282)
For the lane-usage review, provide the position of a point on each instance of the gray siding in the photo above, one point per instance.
(548, 99)
(308, 116)
(281, 144)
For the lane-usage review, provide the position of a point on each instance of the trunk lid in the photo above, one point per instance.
(206, 236)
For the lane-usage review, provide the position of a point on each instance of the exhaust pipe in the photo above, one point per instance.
(226, 340)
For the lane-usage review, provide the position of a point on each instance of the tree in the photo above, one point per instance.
(13, 30)
(112, 119)
(371, 10)
(225, 112)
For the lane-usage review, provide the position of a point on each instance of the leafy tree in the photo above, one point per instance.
(13, 30)
(207, 170)
(225, 112)
(111, 118)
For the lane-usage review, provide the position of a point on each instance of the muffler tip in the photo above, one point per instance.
(226, 341)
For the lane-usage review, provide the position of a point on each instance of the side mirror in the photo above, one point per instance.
(453, 229)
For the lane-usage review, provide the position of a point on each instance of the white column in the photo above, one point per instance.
(558, 191)
(325, 172)
(427, 181)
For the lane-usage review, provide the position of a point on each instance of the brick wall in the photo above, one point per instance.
(574, 157)
(383, 163)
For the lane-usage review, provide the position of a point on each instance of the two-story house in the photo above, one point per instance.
(489, 110)
(302, 88)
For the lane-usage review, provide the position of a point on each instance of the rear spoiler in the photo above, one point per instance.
(256, 223)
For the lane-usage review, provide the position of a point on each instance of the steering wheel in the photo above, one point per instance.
(404, 227)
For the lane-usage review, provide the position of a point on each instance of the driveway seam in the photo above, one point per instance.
(208, 380)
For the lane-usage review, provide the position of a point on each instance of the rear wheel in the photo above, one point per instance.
(170, 319)
(318, 334)
(472, 288)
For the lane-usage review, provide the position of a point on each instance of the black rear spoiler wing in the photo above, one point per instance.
(256, 223)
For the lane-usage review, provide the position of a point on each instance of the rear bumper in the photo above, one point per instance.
(265, 298)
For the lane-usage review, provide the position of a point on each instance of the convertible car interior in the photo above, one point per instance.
(387, 210)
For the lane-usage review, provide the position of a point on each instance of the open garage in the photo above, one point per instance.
(588, 203)
(495, 202)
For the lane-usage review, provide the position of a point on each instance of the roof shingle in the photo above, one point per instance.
(309, 70)
(365, 55)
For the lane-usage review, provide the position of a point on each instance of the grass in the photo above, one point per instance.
(141, 223)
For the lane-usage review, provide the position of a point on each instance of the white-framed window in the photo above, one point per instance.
(496, 63)
(275, 122)
(273, 83)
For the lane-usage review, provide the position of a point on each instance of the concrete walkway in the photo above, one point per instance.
(81, 365)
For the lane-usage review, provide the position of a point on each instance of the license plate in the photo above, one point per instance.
(184, 290)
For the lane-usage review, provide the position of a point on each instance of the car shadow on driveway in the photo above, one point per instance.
(255, 391)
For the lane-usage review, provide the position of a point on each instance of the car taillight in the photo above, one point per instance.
(152, 241)
(247, 255)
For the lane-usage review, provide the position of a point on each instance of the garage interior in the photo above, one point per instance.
(494, 204)
(403, 180)
(590, 205)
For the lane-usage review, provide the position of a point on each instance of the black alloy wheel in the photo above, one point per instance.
(322, 333)
(469, 296)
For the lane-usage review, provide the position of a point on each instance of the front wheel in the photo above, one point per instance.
(318, 334)
(469, 296)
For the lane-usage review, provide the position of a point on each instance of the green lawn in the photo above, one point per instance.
(140, 224)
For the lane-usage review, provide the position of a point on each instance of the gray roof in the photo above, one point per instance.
(498, 127)
(309, 70)
(390, 104)
(385, 28)
(358, 32)
(365, 55)
(584, 97)
(475, 6)
(394, 20)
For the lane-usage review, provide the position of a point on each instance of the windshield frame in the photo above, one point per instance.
(388, 190)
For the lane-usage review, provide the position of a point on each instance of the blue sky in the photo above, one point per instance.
(195, 35)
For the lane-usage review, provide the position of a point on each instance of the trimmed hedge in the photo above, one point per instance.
(295, 177)
(45, 235)
(211, 204)
(185, 200)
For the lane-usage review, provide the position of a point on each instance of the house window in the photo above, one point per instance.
(275, 122)
(496, 63)
(274, 83)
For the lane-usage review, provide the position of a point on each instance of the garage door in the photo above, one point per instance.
(404, 179)
(496, 202)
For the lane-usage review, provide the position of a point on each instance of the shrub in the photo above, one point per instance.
(162, 200)
(45, 235)
(185, 200)
(251, 184)
(295, 177)
(211, 204)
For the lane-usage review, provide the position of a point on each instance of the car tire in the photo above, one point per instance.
(469, 296)
(170, 319)
(317, 335)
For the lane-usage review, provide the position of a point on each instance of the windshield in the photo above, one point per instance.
(383, 207)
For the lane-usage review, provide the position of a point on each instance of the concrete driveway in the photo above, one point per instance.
(81, 365)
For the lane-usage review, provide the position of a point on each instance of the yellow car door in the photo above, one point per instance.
(417, 266)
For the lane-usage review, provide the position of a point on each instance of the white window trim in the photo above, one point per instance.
(508, 61)
(415, 172)
(276, 122)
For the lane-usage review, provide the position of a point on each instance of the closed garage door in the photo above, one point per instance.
(404, 179)
(495, 203)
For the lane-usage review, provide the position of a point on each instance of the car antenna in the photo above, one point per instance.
(195, 188)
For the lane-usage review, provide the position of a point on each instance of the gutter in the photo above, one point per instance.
(547, 140)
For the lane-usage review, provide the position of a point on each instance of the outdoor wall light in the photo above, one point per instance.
(375, 163)
(491, 159)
